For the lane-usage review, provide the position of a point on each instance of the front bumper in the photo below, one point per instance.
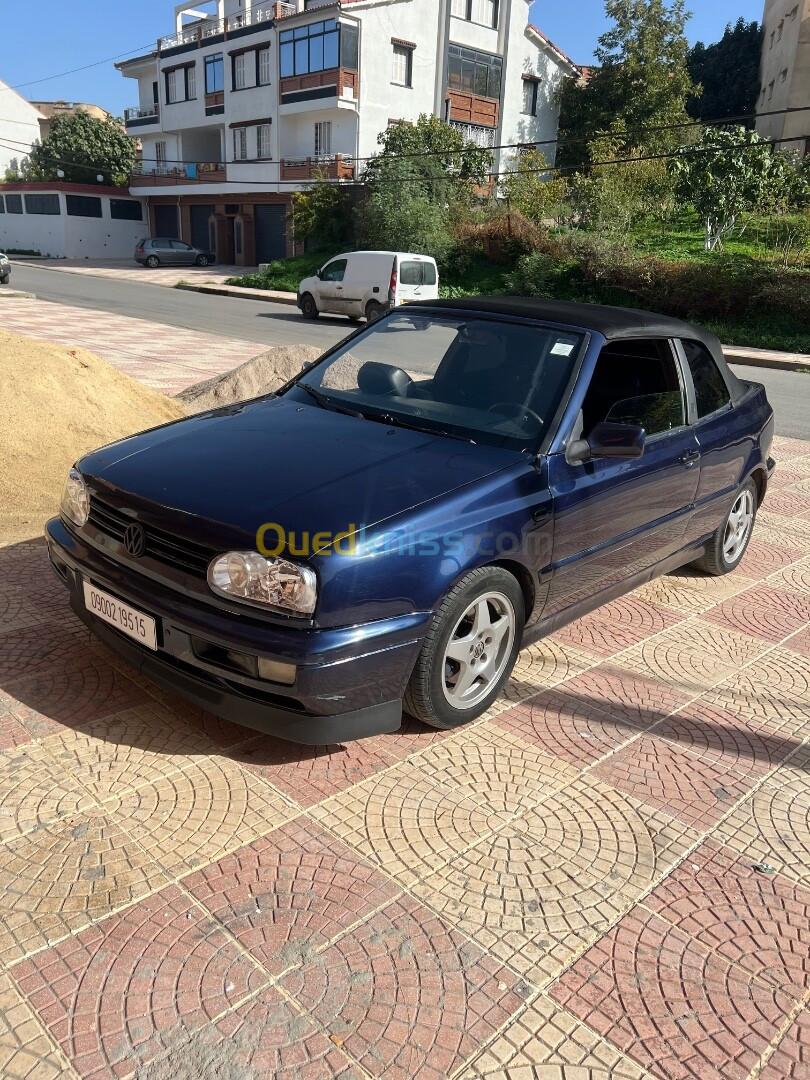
(349, 683)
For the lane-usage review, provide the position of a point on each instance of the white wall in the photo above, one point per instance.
(72, 237)
(19, 127)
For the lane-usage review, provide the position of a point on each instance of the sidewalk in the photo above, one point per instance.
(163, 357)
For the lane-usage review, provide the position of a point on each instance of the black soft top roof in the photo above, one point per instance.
(614, 323)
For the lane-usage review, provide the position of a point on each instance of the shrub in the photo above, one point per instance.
(503, 238)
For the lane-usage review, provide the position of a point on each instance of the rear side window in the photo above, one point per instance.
(711, 391)
(417, 273)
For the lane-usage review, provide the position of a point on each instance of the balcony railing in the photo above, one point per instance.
(481, 136)
(198, 32)
(169, 173)
(330, 168)
(142, 114)
(473, 109)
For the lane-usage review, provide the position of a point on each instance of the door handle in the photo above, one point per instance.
(690, 458)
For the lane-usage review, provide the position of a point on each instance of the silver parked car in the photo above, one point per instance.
(5, 269)
(164, 252)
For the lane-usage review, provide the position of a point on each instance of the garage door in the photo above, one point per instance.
(199, 225)
(166, 222)
(271, 233)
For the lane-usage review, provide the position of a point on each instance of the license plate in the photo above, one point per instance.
(127, 619)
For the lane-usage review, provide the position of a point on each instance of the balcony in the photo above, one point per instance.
(472, 109)
(197, 33)
(173, 173)
(318, 85)
(311, 168)
(194, 34)
(141, 116)
(483, 137)
(254, 16)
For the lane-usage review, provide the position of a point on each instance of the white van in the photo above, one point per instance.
(368, 283)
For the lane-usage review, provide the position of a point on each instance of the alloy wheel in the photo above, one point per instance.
(478, 650)
(738, 527)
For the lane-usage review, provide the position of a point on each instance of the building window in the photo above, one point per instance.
(14, 204)
(350, 47)
(2, 205)
(530, 89)
(173, 86)
(214, 74)
(42, 204)
(403, 65)
(191, 82)
(484, 12)
(263, 141)
(83, 206)
(323, 139)
(239, 76)
(263, 67)
(126, 210)
(474, 72)
(237, 237)
(309, 48)
(240, 144)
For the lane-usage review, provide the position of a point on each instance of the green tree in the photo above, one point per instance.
(433, 156)
(400, 215)
(84, 148)
(532, 191)
(728, 71)
(322, 213)
(642, 81)
(731, 172)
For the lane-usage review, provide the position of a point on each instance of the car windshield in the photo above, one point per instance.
(469, 377)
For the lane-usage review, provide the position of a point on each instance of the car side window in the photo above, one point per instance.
(711, 392)
(335, 271)
(162, 245)
(635, 382)
(178, 245)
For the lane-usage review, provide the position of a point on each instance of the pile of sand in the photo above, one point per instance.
(261, 375)
(58, 404)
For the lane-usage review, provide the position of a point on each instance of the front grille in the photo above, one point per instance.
(161, 546)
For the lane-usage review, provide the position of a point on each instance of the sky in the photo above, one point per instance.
(65, 36)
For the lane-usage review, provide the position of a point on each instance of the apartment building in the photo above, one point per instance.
(785, 73)
(242, 104)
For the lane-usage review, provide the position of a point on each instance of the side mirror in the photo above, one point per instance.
(320, 273)
(608, 440)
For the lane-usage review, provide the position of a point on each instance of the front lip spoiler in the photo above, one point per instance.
(230, 705)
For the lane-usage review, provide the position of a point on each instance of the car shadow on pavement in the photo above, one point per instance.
(55, 677)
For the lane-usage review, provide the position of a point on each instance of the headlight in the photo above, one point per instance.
(274, 583)
(75, 503)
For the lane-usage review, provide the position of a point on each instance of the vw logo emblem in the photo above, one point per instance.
(135, 541)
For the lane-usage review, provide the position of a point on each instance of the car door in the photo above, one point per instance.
(614, 519)
(416, 276)
(163, 250)
(183, 254)
(723, 453)
(331, 289)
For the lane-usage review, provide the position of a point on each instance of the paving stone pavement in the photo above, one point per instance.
(129, 270)
(566, 890)
(168, 359)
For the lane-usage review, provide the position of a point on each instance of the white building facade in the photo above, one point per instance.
(242, 105)
(19, 127)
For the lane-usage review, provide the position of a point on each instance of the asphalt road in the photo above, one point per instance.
(279, 324)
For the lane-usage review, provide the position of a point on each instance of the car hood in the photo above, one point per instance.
(217, 478)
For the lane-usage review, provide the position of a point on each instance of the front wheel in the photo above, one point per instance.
(469, 651)
(309, 309)
(374, 311)
(4, 280)
(727, 546)
(153, 262)
(203, 260)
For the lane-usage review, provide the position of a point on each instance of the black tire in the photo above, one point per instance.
(203, 260)
(5, 280)
(153, 262)
(374, 311)
(715, 561)
(309, 309)
(425, 697)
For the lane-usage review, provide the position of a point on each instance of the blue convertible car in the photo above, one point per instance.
(445, 486)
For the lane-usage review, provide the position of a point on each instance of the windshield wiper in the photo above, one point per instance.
(396, 421)
(327, 403)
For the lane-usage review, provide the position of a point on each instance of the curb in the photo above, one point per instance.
(739, 357)
(16, 294)
(264, 296)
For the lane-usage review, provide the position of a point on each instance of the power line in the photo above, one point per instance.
(73, 71)
(594, 136)
(543, 170)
